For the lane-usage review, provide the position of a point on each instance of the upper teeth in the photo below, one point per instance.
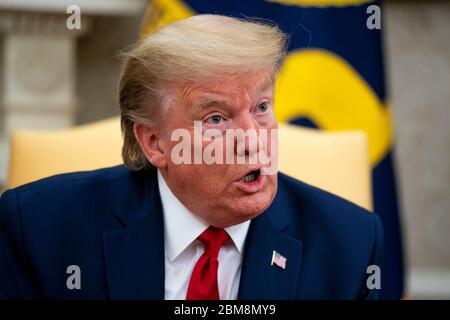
(249, 178)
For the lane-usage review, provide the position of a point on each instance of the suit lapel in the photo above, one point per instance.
(134, 256)
(260, 280)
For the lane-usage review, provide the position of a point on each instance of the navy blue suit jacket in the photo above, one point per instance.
(109, 223)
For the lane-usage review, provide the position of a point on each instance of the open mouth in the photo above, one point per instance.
(252, 182)
(252, 176)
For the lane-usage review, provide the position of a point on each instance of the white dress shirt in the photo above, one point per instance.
(182, 249)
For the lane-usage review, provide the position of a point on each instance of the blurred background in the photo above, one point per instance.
(57, 72)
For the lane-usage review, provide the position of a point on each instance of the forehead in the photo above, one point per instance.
(239, 88)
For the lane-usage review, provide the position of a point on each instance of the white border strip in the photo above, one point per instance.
(429, 284)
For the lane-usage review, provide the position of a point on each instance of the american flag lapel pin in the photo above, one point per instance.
(278, 260)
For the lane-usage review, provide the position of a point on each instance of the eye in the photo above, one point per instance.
(263, 106)
(215, 119)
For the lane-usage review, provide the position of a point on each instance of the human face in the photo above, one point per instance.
(216, 192)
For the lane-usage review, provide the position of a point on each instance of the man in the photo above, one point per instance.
(190, 221)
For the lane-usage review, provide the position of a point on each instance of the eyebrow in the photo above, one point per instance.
(266, 85)
(208, 102)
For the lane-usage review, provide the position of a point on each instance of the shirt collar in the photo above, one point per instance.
(182, 227)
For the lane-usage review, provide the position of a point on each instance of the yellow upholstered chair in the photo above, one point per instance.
(36, 154)
(337, 162)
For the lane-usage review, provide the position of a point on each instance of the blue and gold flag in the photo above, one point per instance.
(332, 79)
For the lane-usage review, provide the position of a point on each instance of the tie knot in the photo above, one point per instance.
(213, 239)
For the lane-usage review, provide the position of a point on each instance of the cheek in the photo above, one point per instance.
(273, 182)
(213, 177)
(198, 179)
(270, 190)
(206, 177)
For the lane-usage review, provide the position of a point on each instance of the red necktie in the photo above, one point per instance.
(203, 283)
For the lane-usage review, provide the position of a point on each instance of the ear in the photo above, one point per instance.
(149, 141)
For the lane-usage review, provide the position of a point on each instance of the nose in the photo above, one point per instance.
(246, 139)
(246, 121)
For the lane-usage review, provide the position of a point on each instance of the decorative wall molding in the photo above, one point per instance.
(40, 23)
(90, 7)
(39, 61)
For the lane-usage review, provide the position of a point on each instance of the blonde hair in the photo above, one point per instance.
(190, 50)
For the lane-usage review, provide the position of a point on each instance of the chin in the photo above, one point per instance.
(251, 206)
